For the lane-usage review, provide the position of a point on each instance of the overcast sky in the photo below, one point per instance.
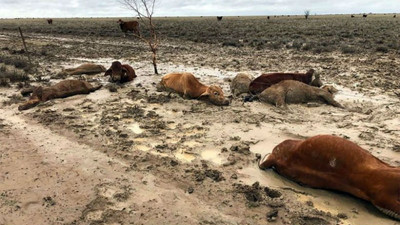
(112, 8)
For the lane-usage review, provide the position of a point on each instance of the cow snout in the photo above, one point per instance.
(225, 102)
(115, 78)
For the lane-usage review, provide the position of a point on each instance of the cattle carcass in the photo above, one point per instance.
(334, 163)
(132, 26)
(240, 84)
(292, 91)
(120, 72)
(62, 89)
(86, 68)
(188, 86)
(266, 80)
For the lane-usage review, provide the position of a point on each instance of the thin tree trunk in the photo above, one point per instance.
(155, 62)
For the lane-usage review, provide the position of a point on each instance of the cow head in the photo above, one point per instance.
(331, 89)
(116, 72)
(215, 95)
(120, 21)
(317, 81)
(33, 100)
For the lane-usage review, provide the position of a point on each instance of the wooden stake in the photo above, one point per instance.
(23, 41)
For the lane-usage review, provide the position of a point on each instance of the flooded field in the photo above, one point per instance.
(138, 156)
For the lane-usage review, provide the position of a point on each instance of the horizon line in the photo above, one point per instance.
(259, 15)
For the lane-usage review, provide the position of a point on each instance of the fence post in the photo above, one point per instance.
(23, 41)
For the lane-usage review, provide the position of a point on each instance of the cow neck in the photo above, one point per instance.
(201, 89)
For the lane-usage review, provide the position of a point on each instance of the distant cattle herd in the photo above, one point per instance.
(133, 26)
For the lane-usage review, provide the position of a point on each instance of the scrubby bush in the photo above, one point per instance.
(382, 49)
(346, 49)
(17, 62)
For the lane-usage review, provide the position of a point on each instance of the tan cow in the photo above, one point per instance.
(331, 162)
(188, 86)
(62, 89)
(292, 91)
(240, 84)
(86, 68)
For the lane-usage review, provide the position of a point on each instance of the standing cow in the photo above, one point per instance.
(50, 21)
(132, 26)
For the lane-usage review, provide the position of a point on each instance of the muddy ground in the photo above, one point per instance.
(138, 156)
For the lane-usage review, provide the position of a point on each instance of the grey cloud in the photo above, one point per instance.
(112, 8)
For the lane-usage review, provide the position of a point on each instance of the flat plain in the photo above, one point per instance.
(137, 156)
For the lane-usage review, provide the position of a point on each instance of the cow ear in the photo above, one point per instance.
(108, 72)
(206, 93)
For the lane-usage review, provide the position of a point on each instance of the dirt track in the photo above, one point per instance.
(136, 156)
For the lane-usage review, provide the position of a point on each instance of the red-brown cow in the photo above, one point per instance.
(120, 73)
(266, 80)
(50, 21)
(331, 162)
(132, 26)
(188, 86)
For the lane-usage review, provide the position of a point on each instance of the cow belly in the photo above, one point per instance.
(318, 176)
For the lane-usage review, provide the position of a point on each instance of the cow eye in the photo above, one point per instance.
(216, 93)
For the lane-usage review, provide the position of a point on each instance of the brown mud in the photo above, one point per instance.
(127, 154)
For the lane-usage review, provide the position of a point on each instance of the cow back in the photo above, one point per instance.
(266, 80)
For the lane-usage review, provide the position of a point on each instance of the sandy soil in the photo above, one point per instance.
(137, 156)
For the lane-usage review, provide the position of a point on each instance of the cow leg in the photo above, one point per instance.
(280, 101)
(329, 99)
(186, 96)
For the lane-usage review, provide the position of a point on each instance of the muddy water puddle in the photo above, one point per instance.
(183, 156)
(348, 95)
(212, 155)
(135, 128)
(204, 72)
(99, 95)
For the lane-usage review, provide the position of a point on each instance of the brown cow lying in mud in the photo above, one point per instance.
(266, 80)
(62, 89)
(120, 73)
(240, 84)
(291, 91)
(188, 86)
(87, 68)
(331, 162)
